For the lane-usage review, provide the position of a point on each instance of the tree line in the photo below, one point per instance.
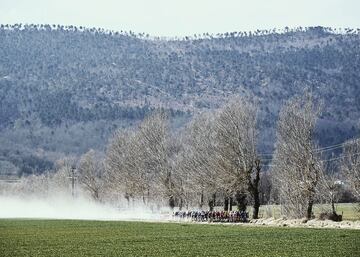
(214, 160)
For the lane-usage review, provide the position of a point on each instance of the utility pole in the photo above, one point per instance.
(73, 178)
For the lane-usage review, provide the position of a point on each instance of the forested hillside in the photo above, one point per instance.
(64, 90)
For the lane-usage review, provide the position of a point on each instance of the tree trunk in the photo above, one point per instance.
(309, 209)
(181, 204)
(230, 203)
(212, 202)
(241, 201)
(226, 203)
(144, 200)
(211, 205)
(169, 187)
(254, 189)
(201, 200)
(148, 196)
(256, 205)
(127, 197)
(171, 202)
(96, 194)
(333, 206)
(214, 199)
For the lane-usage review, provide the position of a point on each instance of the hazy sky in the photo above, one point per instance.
(184, 17)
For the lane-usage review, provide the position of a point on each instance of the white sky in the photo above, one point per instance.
(184, 17)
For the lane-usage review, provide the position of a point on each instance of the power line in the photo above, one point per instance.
(341, 157)
(327, 160)
(332, 147)
(322, 149)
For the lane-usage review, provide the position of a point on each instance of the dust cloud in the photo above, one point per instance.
(66, 207)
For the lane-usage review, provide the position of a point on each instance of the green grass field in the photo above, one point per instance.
(112, 238)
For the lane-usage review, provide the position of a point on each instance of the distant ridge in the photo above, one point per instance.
(65, 89)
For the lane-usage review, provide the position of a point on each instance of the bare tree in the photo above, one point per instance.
(124, 168)
(350, 166)
(33, 185)
(330, 188)
(154, 142)
(180, 177)
(61, 181)
(297, 167)
(91, 172)
(236, 155)
(139, 163)
(197, 155)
